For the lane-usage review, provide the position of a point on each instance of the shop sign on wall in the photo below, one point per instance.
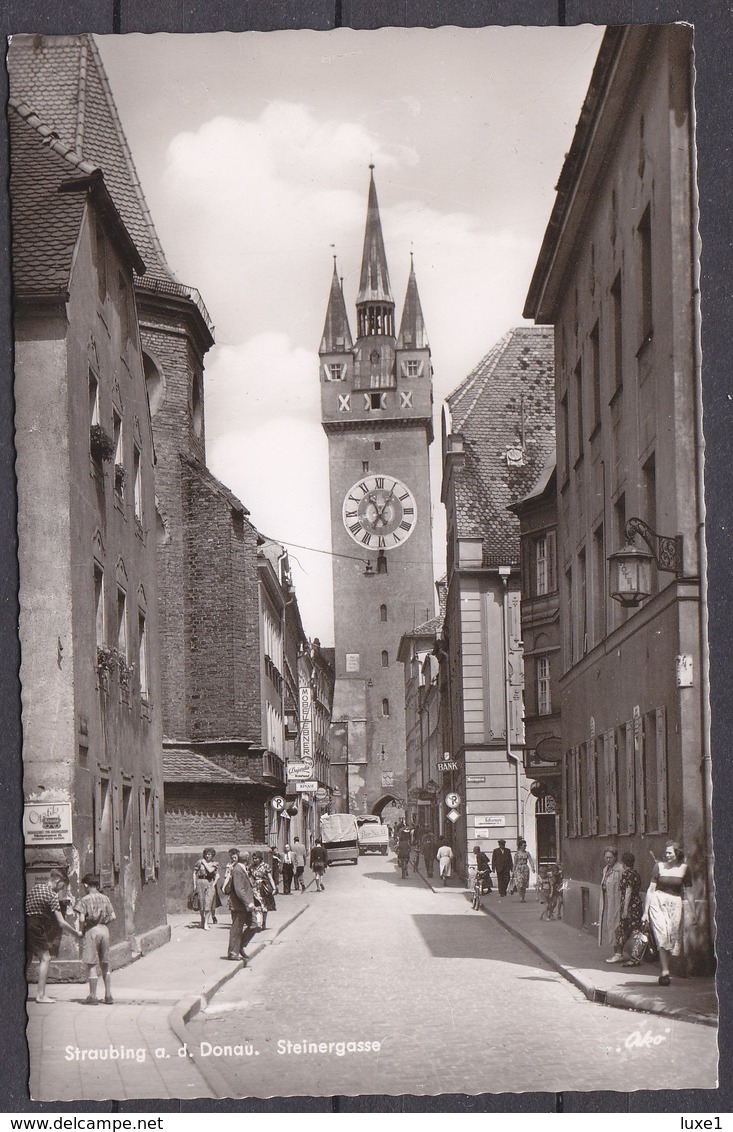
(47, 823)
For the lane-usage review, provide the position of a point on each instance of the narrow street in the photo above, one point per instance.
(455, 1003)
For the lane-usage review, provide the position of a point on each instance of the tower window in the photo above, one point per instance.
(383, 613)
(413, 369)
(381, 563)
(385, 659)
(385, 707)
(377, 445)
(376, 400)
(365, 466)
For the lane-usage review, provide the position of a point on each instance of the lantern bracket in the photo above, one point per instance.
(666, 551)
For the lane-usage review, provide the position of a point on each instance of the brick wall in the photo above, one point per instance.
(196, 813)
(222, 629)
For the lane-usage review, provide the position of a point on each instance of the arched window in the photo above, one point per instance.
(383, 613)
(154, 384)
(197, 404)
(385, 659)
(385, 706)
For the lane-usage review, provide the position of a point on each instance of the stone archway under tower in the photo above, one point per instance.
(390, 809)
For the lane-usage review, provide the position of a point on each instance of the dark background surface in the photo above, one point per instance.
(714, 104)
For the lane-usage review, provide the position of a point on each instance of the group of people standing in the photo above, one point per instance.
(249, 888)
(249, 885)
(45, 908)
(624, 918)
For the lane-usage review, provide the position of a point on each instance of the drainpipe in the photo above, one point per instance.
(504, 572)
(706, 768)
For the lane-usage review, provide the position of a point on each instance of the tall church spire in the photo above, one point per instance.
(413, 335)
(374, 302)
(336, 332)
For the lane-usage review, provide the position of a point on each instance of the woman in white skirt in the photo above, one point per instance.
(671, 881)
(445, 861)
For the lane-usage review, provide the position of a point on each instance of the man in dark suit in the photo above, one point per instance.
(501, 863)
(241, 905)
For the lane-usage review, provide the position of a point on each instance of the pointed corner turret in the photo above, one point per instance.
(413, 335)
(336, 331)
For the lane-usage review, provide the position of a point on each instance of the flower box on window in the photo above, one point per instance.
(106, 660)
(126, 672)
(101, 443)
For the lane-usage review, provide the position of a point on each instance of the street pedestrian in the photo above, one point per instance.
(205, 875)
(631, 908)
(403, 851)
(671, 881)
(263, 886)
(96, 912)
(501, 863)
(522, 864)
(44, 924)
(444, 858)
(276, 868)
(483, 870)
(288, 870)
(241, 905)
(429, 849)
(299, 863)
(609, 908)
(548, 890)
(319, 863)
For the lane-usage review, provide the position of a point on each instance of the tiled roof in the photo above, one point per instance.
(510, 393)
(181, 765)
(62, 81)
(45, 223)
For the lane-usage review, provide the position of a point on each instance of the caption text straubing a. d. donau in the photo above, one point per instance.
(283, 1047)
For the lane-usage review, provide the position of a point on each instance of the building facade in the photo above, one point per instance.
(92, 767)
(540, 621)
(617, 277)
(498, 433)
(376, 404)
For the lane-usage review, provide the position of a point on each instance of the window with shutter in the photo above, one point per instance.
(156, 832)
(630, 760)
(638, 726)
(551, 562)
(609, 746)
(592, 788)
(116, 828)
(143, 823)
(661, 726)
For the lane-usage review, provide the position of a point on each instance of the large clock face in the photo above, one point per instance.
(379, 512)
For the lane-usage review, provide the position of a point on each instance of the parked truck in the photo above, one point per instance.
(340, 837)
(372, 835)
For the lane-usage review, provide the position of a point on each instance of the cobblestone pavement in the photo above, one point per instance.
(456, 1003)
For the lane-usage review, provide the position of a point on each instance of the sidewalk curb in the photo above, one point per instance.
(187, 1008)
(617, 999)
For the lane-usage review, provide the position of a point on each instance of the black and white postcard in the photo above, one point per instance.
(362, 555)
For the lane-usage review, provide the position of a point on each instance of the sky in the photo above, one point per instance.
(253, 151)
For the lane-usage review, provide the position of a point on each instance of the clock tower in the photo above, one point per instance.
(376, 409)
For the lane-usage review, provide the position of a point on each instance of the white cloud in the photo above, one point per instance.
(276, 463)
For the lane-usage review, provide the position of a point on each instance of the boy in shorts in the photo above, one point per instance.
(44, 924)
(96, 912)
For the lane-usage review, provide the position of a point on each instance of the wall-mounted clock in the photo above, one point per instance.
(379, 512)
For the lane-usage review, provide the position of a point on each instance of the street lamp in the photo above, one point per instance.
(630, 569)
